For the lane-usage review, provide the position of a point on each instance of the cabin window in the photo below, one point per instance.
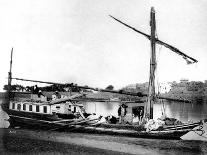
(13, 105)
(37, 108)
(58, 107)
(18, 106)
(30, 107)
(24, 106)
(45, 109)
(74, 109)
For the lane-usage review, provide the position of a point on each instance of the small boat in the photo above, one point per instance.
(49, 116)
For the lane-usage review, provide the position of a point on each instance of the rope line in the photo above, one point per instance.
(202, 131)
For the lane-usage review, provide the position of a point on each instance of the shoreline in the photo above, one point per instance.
(41, 142)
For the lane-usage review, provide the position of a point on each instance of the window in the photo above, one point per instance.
(30, 107)
(13, 105)
(45, 109)
(24, 106)
(37, 108)
(74, 109)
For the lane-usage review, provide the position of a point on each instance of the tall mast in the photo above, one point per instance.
(10, 76)
(148, 112)
(151, 89)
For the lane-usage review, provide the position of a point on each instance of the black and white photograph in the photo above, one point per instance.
(103, 77)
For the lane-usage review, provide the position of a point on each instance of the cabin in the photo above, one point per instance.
(46, 108)
(31, 107)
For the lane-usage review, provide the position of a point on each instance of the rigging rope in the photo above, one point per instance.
(200, 129)
(156, 71)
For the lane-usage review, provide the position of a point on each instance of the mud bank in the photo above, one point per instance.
(18, 141)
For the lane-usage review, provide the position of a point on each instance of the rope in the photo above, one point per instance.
(156, 71)
(200, 129)
(200, 134)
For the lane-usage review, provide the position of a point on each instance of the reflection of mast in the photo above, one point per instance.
(151, 89)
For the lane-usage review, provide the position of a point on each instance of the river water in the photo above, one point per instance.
(182, 111)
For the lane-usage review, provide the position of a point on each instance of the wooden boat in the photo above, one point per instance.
(44, 115)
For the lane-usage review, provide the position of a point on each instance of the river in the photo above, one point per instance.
(182, 111)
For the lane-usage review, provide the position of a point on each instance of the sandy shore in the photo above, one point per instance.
(18, 141)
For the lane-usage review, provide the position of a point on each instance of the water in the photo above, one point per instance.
(182, 111)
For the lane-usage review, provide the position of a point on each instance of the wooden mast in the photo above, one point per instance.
(151, 89)
(148, 111)
(10, 76)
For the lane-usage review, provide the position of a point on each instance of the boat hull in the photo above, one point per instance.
(84, 128)
(132, 133)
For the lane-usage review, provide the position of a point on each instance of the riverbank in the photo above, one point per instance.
(24, 141)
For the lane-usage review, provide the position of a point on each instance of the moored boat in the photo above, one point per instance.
(48, 114)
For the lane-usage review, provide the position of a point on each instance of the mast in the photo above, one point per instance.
(10, 76)
(151, 89)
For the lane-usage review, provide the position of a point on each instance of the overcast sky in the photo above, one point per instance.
(76, 40)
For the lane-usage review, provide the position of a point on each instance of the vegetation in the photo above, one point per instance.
(63, 88)
(110, 87)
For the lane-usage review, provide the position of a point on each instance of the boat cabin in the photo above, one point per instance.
(46, 108)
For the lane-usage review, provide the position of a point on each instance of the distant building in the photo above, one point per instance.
(184, 80)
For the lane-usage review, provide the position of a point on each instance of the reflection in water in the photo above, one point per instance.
(183, 111)
(179, 110)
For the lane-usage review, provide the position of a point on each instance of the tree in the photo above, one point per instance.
(109, 87)
(5, 87)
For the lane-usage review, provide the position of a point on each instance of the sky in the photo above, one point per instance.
(75, 41)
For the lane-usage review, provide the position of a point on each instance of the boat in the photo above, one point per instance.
(48, 116)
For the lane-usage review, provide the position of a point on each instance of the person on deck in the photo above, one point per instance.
(36, 90)
(39, 94)
(141, 114)
(58, 95)
(121, 113)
